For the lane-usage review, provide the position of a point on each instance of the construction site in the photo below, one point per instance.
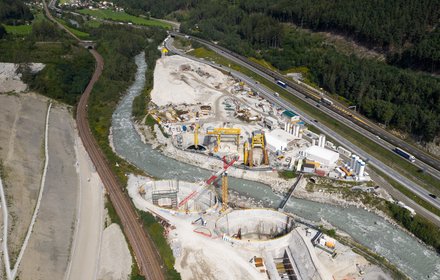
(205, 113)
(210, 238)
(208, 112)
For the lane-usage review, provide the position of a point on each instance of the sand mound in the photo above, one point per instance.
(115, 262)
(180, 80)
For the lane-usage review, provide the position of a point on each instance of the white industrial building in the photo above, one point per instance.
(271, 122)
(278, 139)
(321, 155)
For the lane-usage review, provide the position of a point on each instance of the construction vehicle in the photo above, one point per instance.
(204, 186)
(200, 219)
(346, 171)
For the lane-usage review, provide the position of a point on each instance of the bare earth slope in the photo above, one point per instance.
(47, 254)
(22, 121)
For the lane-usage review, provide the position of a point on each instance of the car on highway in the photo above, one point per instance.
(315, 121)
(432, 195)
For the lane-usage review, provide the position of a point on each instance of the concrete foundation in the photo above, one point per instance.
(255, 225)
(167, 194)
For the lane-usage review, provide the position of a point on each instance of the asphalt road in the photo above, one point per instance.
(424, 161)
(269, 95)
(145, 253)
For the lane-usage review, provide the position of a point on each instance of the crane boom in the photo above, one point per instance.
(207, 183)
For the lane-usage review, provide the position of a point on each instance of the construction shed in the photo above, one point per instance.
(278, 139)
(321, 155)
(290, 116)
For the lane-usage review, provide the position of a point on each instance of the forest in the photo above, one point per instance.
(404, 99)
(14, 12)
(419, 226)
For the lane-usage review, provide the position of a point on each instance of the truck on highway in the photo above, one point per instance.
(326, 101)
(281, 84)
(404, 154)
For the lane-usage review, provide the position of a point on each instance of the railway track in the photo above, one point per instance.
(313, 94)
(145, 253)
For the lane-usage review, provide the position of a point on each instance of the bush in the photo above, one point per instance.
(156, 232)
(419, 226)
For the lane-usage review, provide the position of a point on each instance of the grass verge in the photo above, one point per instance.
(388, 157)
(287, 174)
(76, 32)
(21, 30)
(124, 17)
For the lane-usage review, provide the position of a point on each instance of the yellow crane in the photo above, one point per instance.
(225, 131)
(245, 152)
(224, 192)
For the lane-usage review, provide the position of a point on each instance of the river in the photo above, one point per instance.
(370, 230)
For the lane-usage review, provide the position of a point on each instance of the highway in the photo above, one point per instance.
(269, 95)
(424, 161)
(370, 130)
(145, 253)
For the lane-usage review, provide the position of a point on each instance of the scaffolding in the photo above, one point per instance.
(166, 197)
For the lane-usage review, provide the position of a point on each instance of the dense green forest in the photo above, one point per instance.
(14, 12)
(398, 98)
(67, 67)
(406, 30)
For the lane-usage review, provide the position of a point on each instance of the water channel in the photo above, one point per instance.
(370, 230)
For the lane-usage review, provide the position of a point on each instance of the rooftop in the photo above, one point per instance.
(289, 114)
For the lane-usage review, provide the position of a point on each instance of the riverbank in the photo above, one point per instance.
(166, 147)
(365, 227)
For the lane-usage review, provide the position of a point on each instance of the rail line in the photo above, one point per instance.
(145, 253)
(315, 95)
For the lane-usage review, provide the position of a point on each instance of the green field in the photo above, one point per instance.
(93, 24)
(124, 17)
(386, 156)
(21, 30)
(76, 32)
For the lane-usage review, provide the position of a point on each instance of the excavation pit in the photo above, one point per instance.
(255, 225)
(169, 194)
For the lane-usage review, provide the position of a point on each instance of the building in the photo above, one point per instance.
(278, 139)
(271, 122)
(290, 116)
(321, 155)
(308, 168)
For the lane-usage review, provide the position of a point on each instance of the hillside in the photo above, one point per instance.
(405, 31)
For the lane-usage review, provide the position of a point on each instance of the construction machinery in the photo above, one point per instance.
(258, 141)
(224, 191)
(204, 186)
(246, 153)
(222, 133)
